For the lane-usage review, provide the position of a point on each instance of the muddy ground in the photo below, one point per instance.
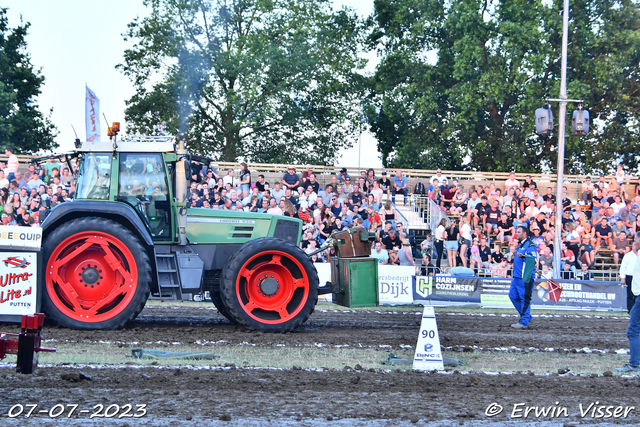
(201, 323)
(350, 397)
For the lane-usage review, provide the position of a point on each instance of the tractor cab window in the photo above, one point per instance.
(94, 176)
(143, 184)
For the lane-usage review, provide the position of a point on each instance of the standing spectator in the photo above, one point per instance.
(626, 275)
(620, 176)
(440, 238)
(12, 163)
(404, 254)
(245, 180)
(290, 179)
(453, 234)
(400, 185)
(511, 182)
(465, 242)
(633, 331)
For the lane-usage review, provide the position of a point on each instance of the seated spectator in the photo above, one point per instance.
(385, 184)
(584, 273)
(620, 246)
(438, 176)
(229, 179)
(567, 257)
(604, 232)
(567, 273)
(342, 176)
(380, 253)
(485, 252)
(427, 268)
(392, 241)
(400, 185)
(311, 181)
(546, 258)
(587, 189)
(290, 179)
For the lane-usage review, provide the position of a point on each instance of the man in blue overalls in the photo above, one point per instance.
(520, 292)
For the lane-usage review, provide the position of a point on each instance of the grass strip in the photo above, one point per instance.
(334, 358)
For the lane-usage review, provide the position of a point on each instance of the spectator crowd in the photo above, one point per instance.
(26, 199)
(479, 231)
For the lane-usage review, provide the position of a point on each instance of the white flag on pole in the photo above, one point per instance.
(92, 116)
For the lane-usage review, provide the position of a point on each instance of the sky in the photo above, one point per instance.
(80, 42)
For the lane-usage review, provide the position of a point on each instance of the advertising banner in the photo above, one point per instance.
(582, 294)
(21, 237)
(494, 292)
(445, 288)
(18, 283)
(394, 284)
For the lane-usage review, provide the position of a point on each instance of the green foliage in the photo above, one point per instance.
(459, 82)
(22, 125)
(262, 80)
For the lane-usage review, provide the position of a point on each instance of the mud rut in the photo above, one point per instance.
(239, 396)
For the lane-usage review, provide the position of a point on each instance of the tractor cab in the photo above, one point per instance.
(137, 178)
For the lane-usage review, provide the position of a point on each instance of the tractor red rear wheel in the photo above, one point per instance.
(97, 275)
(270, 285)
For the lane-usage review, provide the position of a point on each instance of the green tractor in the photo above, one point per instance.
(130, 233)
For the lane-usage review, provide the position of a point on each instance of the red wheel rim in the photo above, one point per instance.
(272, 287)
(91, 277)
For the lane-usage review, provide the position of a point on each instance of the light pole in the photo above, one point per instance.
(557, 241)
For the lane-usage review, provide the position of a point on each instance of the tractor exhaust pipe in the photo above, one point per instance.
(183, 172)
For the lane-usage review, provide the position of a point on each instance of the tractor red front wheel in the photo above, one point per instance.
(270, 285)
(97, 275)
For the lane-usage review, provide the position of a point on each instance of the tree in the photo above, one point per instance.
(469, 75)
(22, 126)
(262, 80)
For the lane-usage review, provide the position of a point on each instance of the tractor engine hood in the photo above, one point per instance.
(210, 226)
